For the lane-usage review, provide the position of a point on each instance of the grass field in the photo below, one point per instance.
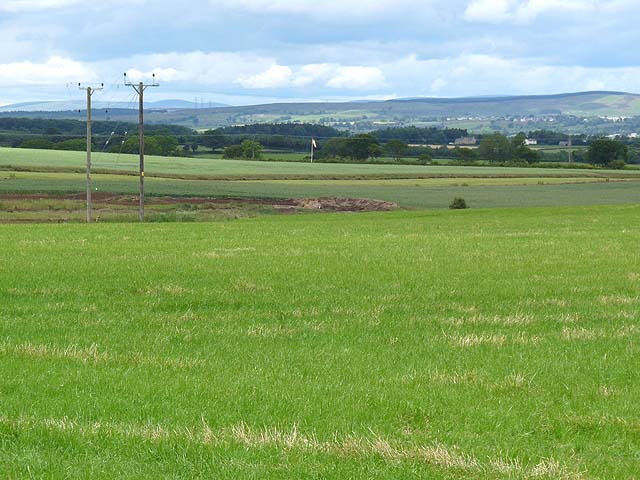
(440, 344)
(414, 187)
(479, 193)
(216, 167)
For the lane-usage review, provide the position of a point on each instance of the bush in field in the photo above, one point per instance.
(425, 159)
(458, 203)
(234, 151)
(41, 143)
(75, 144)
(249, 149)
(164, 145)
(617, 164)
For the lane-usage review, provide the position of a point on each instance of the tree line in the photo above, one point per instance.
(418, 144)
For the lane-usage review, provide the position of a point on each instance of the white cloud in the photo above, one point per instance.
(357, 77)
(466, 75)
(200, 68)
(311, 73)
(20, 6)
(56, 70)
(492, 11)
(212, 74)
(331, 75)
(333, 11)
(527, 11)
(277, 76)
(34, 5)
(164, 74)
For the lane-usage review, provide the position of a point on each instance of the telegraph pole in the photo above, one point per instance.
(140, 88)
(90, 92)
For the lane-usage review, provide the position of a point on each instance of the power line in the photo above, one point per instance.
(115, 129)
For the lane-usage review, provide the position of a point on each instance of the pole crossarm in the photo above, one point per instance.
(139, 88)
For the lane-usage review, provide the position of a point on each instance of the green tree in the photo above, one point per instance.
(495, 148)
(76, 144)
(465, 154)
(396, 148)
(363, 146)
(520, 151)
(165, 145)
(251, 149)
(334, 147)
(233, 152)
(425, 158)
(40, 143)
(604, 151)
(214, 139)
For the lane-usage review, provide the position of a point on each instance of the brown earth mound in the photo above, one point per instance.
(285, 205)
(344, 204)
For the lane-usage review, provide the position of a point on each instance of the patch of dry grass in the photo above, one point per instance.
(353, 445)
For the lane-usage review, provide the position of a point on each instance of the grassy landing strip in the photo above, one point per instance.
(24, 158)
(442, 344)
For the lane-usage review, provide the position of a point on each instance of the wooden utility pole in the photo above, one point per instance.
(90, 92)
(570, 149)
(140, 88)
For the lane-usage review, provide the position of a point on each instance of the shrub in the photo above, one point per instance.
(425, 159)
(617, 164)
(40, 143)
(234, 152)
(458, 203)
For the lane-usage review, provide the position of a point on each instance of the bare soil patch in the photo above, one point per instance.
(284, 205)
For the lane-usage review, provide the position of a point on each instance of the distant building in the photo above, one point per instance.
(531, 141)
(466, 141)
(563, 144)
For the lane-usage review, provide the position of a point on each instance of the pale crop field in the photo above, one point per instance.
(16, 157)
(425, 344)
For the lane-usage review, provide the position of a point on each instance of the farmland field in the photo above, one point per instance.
(40, 172)
(420, 344)
(216, 167)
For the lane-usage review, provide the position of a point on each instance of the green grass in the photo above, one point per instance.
(446, 345)
(481, 193)
(412, 187)
(443, 181)
(218, 167)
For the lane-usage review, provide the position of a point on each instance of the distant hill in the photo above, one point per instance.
(477, 114)
(60, 106)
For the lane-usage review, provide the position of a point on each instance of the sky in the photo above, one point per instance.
(261, 51)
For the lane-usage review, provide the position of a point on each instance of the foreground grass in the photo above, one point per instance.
(474, 344)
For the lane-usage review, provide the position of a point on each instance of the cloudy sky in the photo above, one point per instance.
(254, 51)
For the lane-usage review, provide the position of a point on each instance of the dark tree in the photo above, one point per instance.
(495, 148)
(604, 151)
(396, 148)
